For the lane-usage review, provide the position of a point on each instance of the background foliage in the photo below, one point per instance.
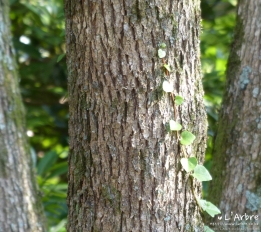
(218, 25)
(38, 35)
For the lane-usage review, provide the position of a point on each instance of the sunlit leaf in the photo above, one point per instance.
(163, 45)
(233, 2)
(174, 126)
(201, 173)
(178, 100)
(189, 163)
(167, 87)
(207, 206)
(161, 53)
(60, 227)
(166, 66)
(187, 138)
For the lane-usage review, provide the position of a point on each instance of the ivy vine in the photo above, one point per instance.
(189, 164)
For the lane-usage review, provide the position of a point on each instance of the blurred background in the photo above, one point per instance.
(39, 40)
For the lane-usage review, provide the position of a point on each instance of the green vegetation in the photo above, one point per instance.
(219, 18)
(190, 165)
(38, 35)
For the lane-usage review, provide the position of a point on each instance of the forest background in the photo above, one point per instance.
(38, 37)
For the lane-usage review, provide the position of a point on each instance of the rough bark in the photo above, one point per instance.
(124, 167)
(237, 150)
(20, 208)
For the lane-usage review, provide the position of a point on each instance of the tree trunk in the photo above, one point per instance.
(20, 208)
(124, 166)
(237, 156)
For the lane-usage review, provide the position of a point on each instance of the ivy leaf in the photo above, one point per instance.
(201, 173)
(187, 138)
(60, 57)
(207, 229)
(202, 203)
(167, 87)
(174, 126)
(166, 66)
(161, 53)
(207, 206)
(163, 45)
(189, 163)
(178, 100)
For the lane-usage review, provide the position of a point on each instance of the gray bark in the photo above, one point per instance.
(237, 151)
(20, 208)
(124, 167)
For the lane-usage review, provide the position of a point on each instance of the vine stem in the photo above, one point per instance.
(175, 111)
(172, 97)
(193, 192)
(166, 72)
(174, 105)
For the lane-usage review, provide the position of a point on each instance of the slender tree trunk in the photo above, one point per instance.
(124, 166)
(20, 208)
(237, 150)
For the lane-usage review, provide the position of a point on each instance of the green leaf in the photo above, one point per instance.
(207, 206)
(187, 138)
(167, 87)
(60, 57)
(233, 2)
(178, 100)
(61, 226)
(161, 53)
(207, 229)
(46, 163)
(163, 45)
(189, 163)
(201, 173)
(58, 169)
(166, 66)
(174, 126)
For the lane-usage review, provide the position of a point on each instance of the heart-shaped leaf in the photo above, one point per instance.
(189, 163)
(174, 126)
(166, 66)
(187, 138)
(167, 87)
(201, 173)
(207, 206)
(163, 45)
(161, 53)
(178, 100)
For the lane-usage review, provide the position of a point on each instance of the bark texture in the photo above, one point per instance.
(20, 208)
(237, 150)
(124, 167)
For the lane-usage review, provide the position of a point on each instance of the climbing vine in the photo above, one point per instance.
(189, 164)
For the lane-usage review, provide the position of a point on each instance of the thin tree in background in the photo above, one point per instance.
(20, 208)
(124, 165)
(236, 185)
